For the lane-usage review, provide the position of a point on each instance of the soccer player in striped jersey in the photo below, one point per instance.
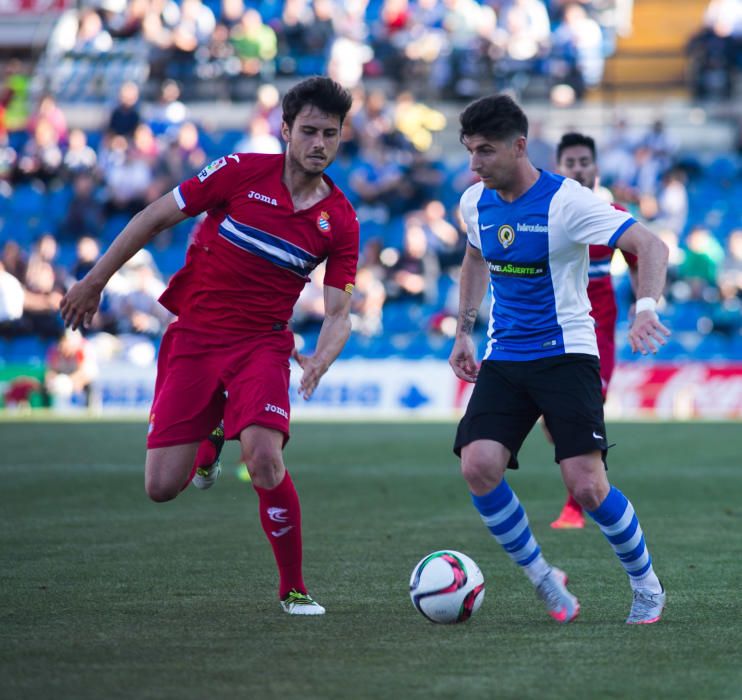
(576, 158)
(271, 219)
(528, 235)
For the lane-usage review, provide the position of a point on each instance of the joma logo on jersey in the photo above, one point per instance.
(252, 194)
(272, 408)
(509, 269)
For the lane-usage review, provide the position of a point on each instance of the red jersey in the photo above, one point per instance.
(253, 253)
(600, 286)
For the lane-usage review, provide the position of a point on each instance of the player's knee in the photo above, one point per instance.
(590, 492)
(480, 470)
(160, 491)
(265, 466)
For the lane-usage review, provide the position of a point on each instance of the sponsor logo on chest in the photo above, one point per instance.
(252, 194)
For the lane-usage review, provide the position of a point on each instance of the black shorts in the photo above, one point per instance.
(509, 397)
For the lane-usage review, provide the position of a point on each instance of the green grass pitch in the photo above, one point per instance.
(106, 595)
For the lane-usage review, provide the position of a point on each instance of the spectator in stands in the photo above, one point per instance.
(378, 179)
(259, 138)
(524, 37)
(92, 37)
(255, 44)
(166, 116)
(124, 19)
(540, 150)
(88, 252)
(11, 301)
(14, 260)
(703, 258)
(416, 121)
(79, 158)
(44, 287)
(731, 269)
(309, 310)
(84, 215)
(660, 144)
(125, 116)
(127, 179)
(146, 145)
(8, 159)
(268, 106)
(231, 12)
(182, 158)
(714, 51)
(444, 239)
(414, 276)
(617, 156)
(50, 112)
(672, 201)
(296, 16)
(41, 157)
(348, 56)
(132, 294)
(369, 296)
(580, 36)
(71, 369)
(726, 316)
(195, 24)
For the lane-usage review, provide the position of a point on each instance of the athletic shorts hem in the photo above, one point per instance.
(173, 442)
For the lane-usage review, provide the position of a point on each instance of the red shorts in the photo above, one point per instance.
(202, 378)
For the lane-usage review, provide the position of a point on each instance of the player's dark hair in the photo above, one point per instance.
(323, 93)
(572, 138)
(496, 117)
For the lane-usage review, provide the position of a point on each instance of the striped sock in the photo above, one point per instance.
(505, 518)
(616, 518)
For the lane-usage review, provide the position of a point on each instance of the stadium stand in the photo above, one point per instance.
(129, 98)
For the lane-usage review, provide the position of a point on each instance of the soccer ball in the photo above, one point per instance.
(447, 586)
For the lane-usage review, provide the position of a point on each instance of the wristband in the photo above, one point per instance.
(646, 304)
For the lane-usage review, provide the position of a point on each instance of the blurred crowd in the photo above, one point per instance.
(441, 48)
(66, 192)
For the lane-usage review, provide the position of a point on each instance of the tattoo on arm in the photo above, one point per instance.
(467, 318)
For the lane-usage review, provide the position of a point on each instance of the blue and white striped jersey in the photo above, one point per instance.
(536, 249)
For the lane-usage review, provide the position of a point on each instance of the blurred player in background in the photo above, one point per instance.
(528, 231)
(577, 158)
(271, 220)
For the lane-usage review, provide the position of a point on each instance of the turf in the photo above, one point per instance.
(106, 595)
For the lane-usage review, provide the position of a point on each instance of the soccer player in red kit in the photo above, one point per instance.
(576, 158)
(271, 219)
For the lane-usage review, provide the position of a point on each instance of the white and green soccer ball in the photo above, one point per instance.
(447, 586)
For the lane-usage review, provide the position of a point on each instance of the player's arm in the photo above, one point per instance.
(472, 288)
(646, 333)
(81, 302)
(333, 335)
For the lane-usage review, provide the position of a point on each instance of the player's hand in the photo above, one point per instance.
(462, 359)
(313, 368)
(79, 305)
(647, 334)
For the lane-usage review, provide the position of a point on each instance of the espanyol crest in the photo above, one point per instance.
(323, 222)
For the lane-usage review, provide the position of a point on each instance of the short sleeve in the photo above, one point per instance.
(342, 261)
(209, 189)
(470, 214)
(588, 219)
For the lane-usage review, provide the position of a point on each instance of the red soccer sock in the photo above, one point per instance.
(205, 457)
(280, 516)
